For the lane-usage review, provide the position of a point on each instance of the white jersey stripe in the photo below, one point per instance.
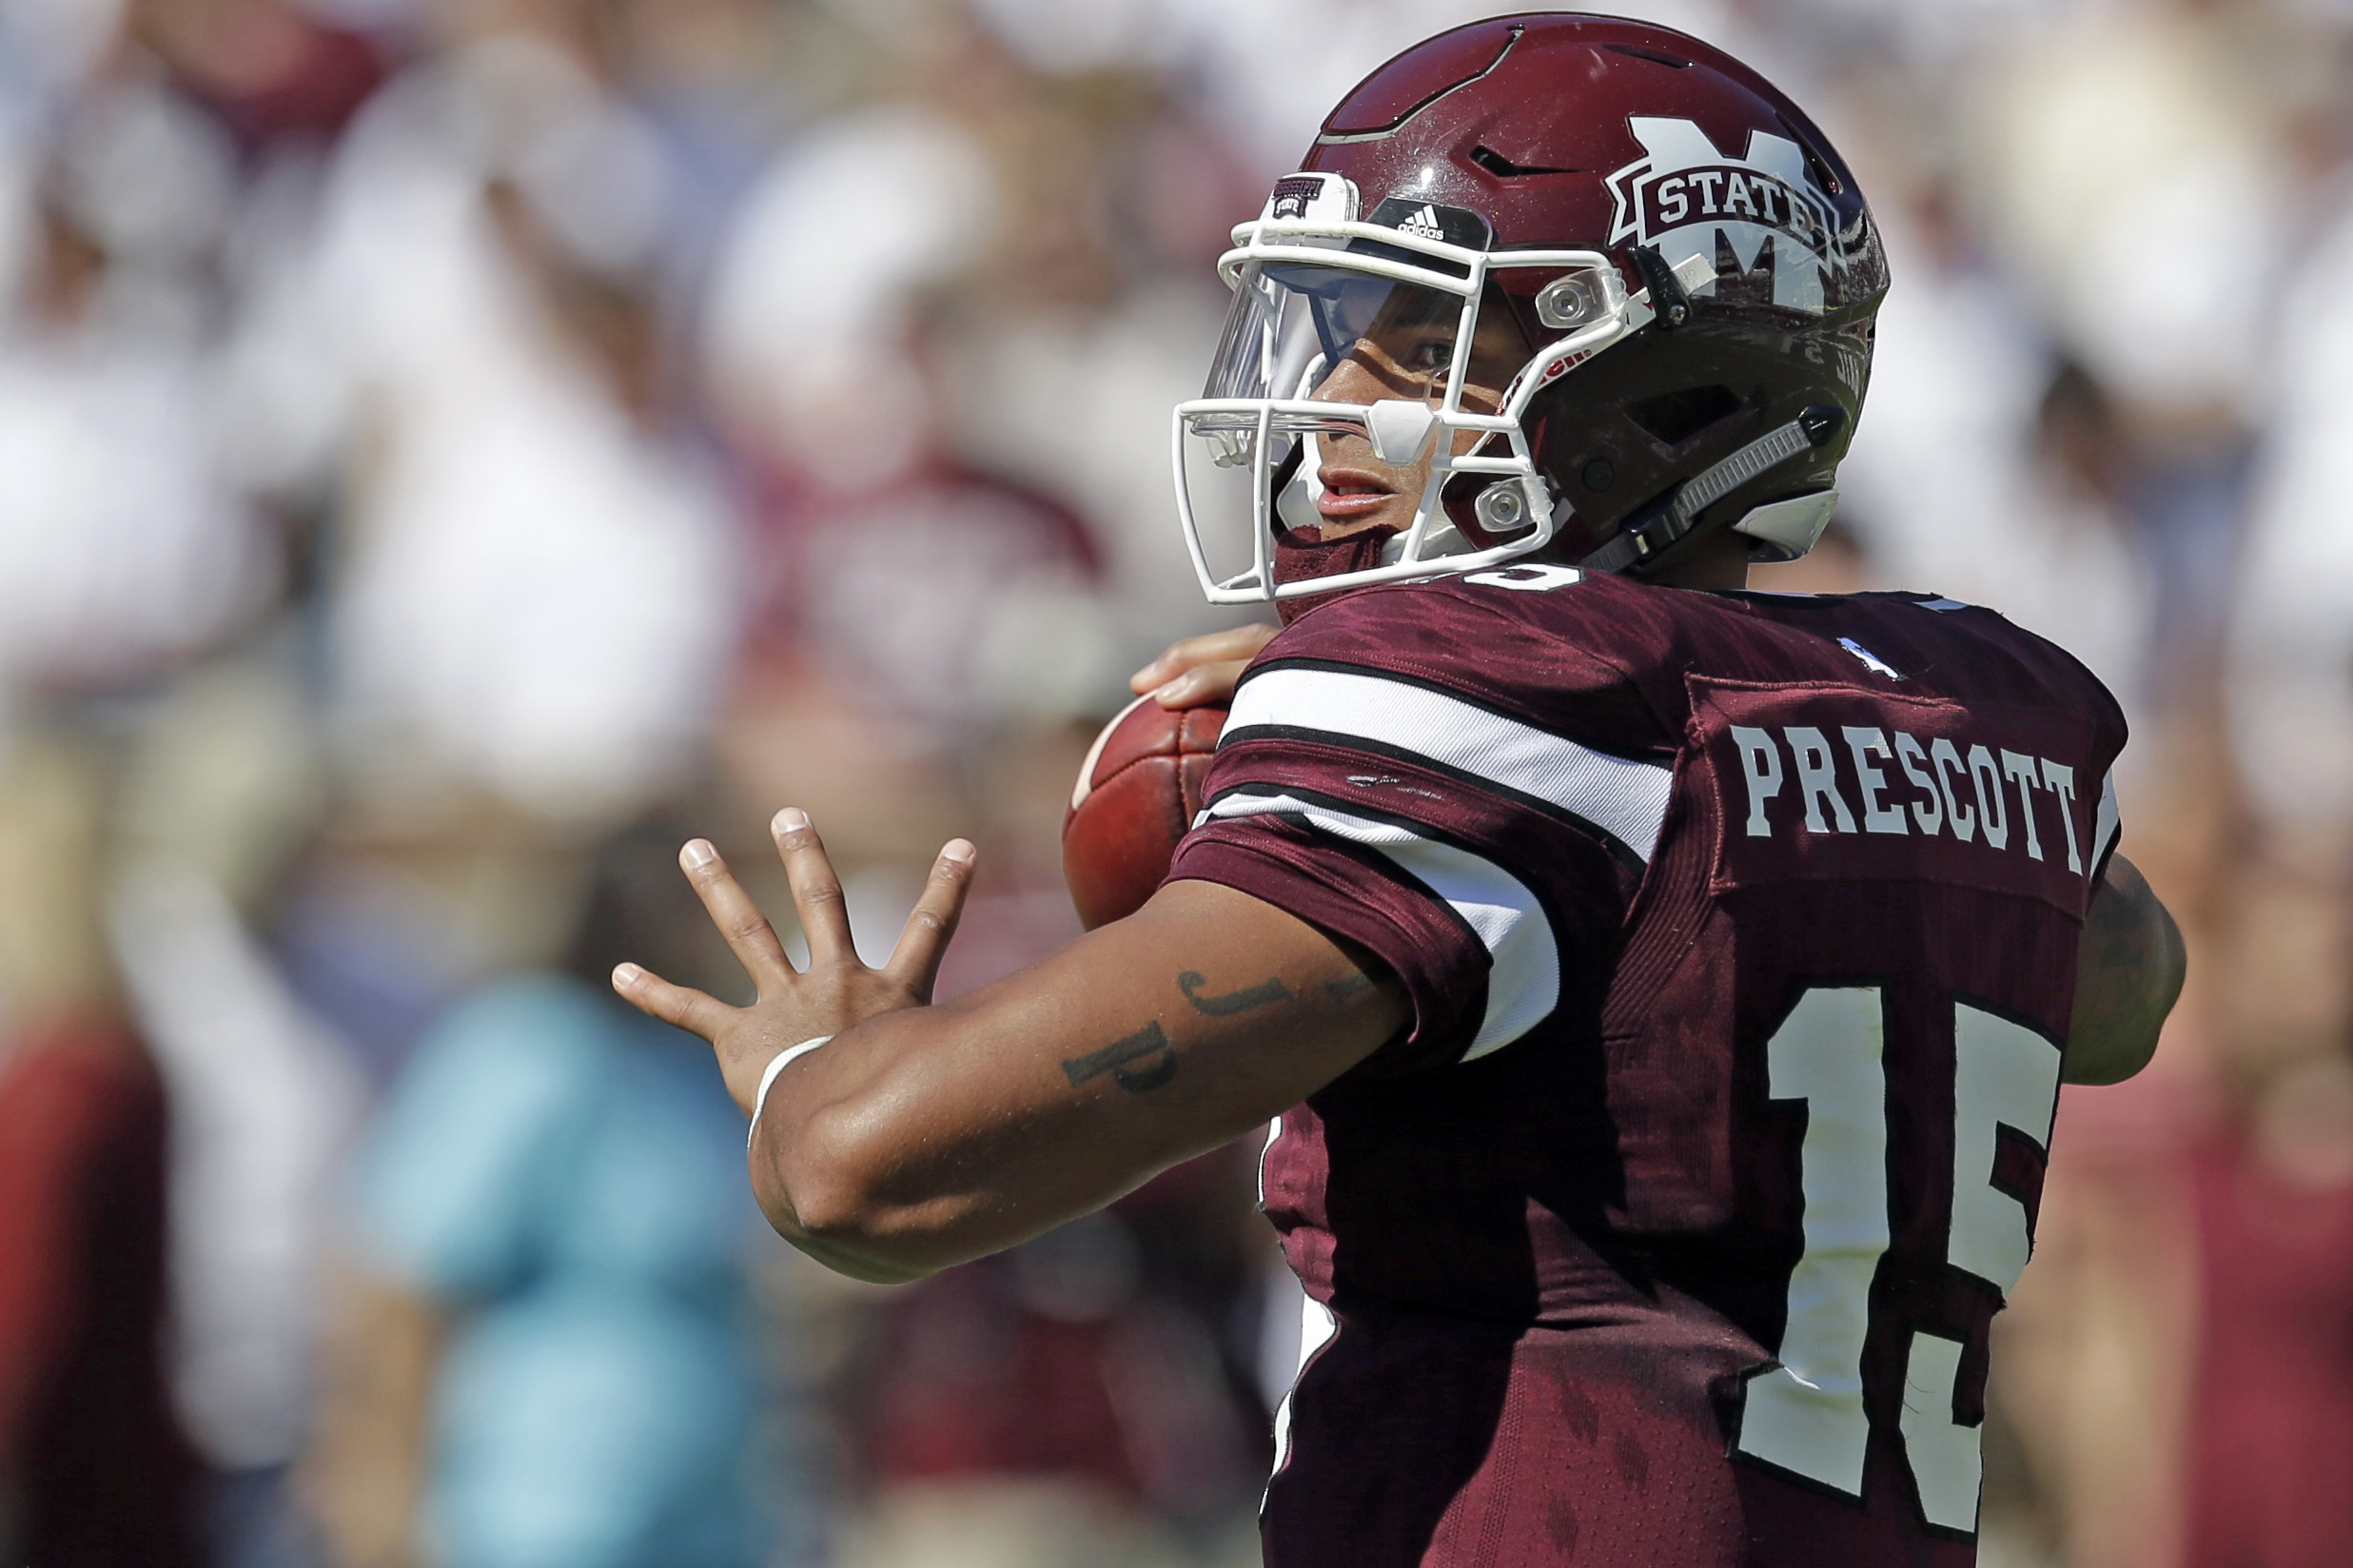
(1624, 798)
(1523, 976)
(1318, 1327)
(2107, 826)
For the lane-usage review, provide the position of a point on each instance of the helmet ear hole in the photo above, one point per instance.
(1674, 418)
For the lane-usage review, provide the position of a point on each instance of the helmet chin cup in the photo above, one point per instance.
(1783, 530)
(1399, 428)
(1298, 484)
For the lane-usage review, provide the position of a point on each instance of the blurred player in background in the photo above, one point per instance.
(1661, 990)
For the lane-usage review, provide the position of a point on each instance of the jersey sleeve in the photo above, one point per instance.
(1377, 780)
(1289, 855)
(2056, 676)
(2108, 829)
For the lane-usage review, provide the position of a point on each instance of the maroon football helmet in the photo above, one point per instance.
(1678, 261)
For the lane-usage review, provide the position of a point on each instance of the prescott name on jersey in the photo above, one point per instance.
(1740, 933)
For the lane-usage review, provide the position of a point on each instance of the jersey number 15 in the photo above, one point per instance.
(1805, 1415)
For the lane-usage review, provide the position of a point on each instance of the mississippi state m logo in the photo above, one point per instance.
(1685, 191)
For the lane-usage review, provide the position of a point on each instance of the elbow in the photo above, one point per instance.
(847, 1234)
(834, 1210)
(2111, 1043)
(2110, 1059)
(826, 1194)
(2130, 975)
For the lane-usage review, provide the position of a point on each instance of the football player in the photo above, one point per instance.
(1660, 990)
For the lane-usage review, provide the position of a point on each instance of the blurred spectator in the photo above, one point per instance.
(2104, 124)
(1986, 470)
(92, 1459)
(2270, 1431)
(531, 595)
(2291, 673)
(270, 72)
(551, 1281)
(2098, 128)
(806, 332)
(213, 804)
(121, 541)
(2090, 1396)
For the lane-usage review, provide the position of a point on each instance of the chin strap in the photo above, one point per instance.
(1669, 521)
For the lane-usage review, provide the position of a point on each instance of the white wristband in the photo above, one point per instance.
(778, 1064)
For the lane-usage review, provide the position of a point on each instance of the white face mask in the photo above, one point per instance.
(1319, 294)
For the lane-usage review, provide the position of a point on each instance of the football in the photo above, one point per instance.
(1136, 796)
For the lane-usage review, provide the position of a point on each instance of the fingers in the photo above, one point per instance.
(914, 962)
(748, 933)
(1200, 684)
(1236, 645)
(1235, 642)
(683, 1005)
(817, 892)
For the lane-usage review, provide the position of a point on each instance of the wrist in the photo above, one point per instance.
(776, 1065)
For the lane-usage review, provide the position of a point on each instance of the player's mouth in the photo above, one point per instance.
(1351, 494)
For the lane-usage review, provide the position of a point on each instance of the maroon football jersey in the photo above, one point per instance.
(1740, 934)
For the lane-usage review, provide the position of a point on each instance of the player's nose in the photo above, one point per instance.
(1352, 380)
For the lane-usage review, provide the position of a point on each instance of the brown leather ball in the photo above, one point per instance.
(1137, 794)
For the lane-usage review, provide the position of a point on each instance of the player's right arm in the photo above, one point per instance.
(921, 1136)
(2127, 973)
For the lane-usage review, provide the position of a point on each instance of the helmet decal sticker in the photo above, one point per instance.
(1294, 195)
(1424, 222)
(1435, 221)
(1324, 197)
(1685, 192)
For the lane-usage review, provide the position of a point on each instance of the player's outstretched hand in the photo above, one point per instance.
(1202, 669)
(835, 991)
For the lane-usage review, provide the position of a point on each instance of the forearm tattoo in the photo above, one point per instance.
(1119, 1059)
(1143, 1061)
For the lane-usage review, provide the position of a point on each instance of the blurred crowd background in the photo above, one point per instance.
(453, 450)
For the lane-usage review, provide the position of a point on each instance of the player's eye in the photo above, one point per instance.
(1431, 358)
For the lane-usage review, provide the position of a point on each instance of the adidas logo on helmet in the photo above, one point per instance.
(1423, 224)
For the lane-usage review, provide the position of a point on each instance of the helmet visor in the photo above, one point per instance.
(1341, 368)
(1336, 334)
(1360, 385)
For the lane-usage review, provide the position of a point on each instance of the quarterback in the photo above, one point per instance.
(1659, 990)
